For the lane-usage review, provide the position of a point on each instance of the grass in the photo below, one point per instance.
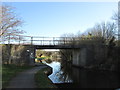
(10, 71)
(42, 79)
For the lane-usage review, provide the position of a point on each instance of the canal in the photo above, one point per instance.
(72, 77)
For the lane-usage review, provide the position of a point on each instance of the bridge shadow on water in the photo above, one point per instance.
(86, 78)
(92, 79)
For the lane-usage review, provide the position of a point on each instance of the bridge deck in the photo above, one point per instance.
(57, 47)
(51, 42)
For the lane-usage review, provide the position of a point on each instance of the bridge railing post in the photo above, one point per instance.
(40, 42)
(65, 41)
(43, 41)
(9, 39)
(49, 43)
(19, 40)
(53, 40)
(31, 40)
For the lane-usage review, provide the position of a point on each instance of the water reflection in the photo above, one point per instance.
(58, 76)
(82, 78)
(56, 68)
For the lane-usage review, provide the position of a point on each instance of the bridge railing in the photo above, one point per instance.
(19, 39)
(33, 40)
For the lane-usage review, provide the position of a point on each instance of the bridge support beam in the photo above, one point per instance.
(79, 57)
(32, 56)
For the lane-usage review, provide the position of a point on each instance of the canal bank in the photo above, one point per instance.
(42, 80)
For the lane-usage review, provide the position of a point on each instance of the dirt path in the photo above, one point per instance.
(25, 79)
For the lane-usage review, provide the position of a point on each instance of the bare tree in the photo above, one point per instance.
(116, 15)
(67, 38)
(116, 18)
(104, 30)
(10, 23)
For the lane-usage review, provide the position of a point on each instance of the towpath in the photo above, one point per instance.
(25, 79)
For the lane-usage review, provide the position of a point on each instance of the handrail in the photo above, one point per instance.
(22, 39)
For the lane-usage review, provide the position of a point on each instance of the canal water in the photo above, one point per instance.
(83, 78)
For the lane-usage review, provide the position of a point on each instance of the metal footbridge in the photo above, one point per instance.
(48, 42)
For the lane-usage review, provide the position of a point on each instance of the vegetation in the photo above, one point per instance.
(15, 58)
(10, 24)
(100, 35)
(42, 79)
(10, 71)
(16, 54)
(47, 56)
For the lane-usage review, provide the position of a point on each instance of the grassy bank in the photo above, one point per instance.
(42, 79)
(10, 71)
